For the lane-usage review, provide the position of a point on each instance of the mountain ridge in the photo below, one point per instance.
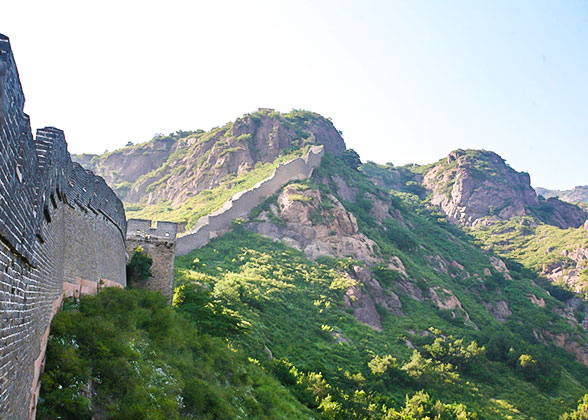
(371, 283)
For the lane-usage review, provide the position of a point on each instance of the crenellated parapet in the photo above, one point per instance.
(62, 232)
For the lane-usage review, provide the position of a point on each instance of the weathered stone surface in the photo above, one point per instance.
(474, 187)
(207, 160)
(317, 224)
(568, 270)
(499, 310)
(158, 240)
(61, 228)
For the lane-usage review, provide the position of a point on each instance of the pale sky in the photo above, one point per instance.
(406, 81)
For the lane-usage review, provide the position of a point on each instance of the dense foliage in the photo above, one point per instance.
(258, 330)
(353, 372)
(139, 267)
(127, 354)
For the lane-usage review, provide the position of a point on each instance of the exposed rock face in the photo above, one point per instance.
(364, 296)
(126, 166)
(568, 343)
(478, 186)
(471, 185)
(445, 299)
(500, 266)
(176, 167)
(569, 269)
(562, 215)
(317, 224)
(578, 194)
(499, 310)
(345, 192)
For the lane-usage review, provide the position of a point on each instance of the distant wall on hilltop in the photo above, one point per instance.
(158, 240)
(62, 231)
(243, 202)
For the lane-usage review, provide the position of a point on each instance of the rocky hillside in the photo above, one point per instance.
(478, 190)
(370, 291)
(577, 195)
(367, 273)
(173, 168)
(473, 186)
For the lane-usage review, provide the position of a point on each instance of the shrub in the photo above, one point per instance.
(139, 267)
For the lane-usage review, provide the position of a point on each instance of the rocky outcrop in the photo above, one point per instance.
(445, 299)
(569, 270)
(499, 310)
(366, 294)
(122, 168)
(563, 215)
(578, 194)
(176, 167)
(473, 186)
(568, 343)
(317, 224)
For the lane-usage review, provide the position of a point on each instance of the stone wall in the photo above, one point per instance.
(208, 227)
(61, 229)
(158, 240)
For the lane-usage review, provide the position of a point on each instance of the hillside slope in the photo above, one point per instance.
(173, 175)
(497, 205)
(578, 194)
(364, 285)
(367, 276)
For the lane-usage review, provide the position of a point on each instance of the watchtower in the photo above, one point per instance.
(158, 240)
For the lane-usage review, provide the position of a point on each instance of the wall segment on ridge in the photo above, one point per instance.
(241, 204)
(61, 228)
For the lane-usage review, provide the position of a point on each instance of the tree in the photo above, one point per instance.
(210, 315)
(139, 267)
(351, 158)
(581, 413)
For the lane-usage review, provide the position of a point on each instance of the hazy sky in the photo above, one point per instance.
(406, 81)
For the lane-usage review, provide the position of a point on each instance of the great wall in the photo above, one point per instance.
(63, 233)
(241, 204)
(158, 240)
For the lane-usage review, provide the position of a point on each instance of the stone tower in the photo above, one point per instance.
(158, 240)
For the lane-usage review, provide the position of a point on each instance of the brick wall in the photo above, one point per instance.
(58, 224)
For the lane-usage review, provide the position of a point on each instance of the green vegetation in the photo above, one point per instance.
(208, 201)
(139, 267)
(581, 413)
(535, 245)
(261, 331)
(129, 355)
(356, 372)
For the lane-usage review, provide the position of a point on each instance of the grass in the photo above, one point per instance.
(208, 201)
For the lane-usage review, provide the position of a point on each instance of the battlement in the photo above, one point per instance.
(141, 228)
(62, 231)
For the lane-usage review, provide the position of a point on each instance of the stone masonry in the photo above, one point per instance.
(62, 231)
(158, 240)
(241, 204)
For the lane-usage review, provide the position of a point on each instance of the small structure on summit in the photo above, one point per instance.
(158, 240)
